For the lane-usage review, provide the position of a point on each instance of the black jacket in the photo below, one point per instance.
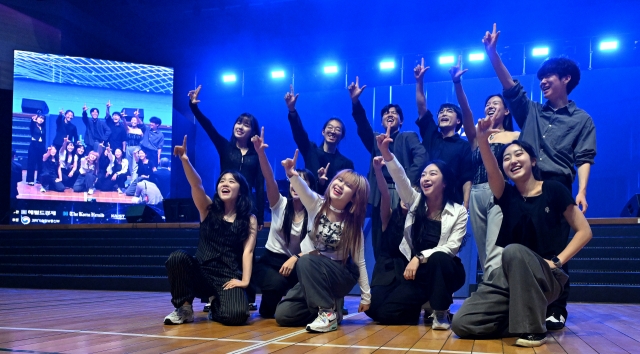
(231, 158)
(118, 133)
(63, 130)
(406, 147)
(313, 155)
(97, 131)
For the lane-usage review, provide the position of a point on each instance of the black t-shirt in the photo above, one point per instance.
(535, 221)
(429, 236)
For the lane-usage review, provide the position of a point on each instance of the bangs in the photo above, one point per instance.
(357, 181)
(243, 120)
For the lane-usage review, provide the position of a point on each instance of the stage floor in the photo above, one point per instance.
(75, 321)
(26, 191)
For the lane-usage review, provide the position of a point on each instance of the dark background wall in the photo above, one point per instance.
(202, 38)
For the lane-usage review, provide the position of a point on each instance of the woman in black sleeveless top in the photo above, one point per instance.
(224, 259)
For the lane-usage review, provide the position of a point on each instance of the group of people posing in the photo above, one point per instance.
(515, 186)
(114, 156)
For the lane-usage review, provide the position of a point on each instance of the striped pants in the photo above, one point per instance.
(189, 279)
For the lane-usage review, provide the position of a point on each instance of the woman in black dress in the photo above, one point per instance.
(224, 259)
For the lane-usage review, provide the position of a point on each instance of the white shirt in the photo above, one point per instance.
(454, 217)
(313, 202)
(276, 242)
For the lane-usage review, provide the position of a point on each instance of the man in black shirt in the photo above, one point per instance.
(97, 132)
(118, 137)
(445, 144)
(562, 134)
(65, 129)
(162, 177)
(325, 160)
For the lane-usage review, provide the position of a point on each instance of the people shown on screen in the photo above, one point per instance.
(65, 129)
(275, 272)
(50, 179)
(224, 258)
(37, 147)
(69, 163)
(147, 193)
(152, 142)
(144, 171)
(114, 174)
(98, 132)
(118, 137)
(162, 177)
(134, 136)
(16, 174)
(88, 173)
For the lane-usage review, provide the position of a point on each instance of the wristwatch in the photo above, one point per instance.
(420, 257)
(556, 261)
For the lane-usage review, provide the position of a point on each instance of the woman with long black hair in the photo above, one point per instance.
(433, 233)
(69, 161)
(224, 259)
(50, 178)
(37, 147)
(274, 273)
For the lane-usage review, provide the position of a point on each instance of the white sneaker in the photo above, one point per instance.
(120, 191)
(42, 190)
(325, 322)
(180, 315)
(91, 191)
(441, 320)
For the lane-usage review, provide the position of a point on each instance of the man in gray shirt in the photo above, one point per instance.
(152, 142)
(147, 193)
(562, 134)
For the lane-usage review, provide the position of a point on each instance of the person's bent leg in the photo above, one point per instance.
(230, 307)
(324, 280)
(272, 284)
(441, 276)
(185, 276)
(478, 217)
(80, 184)
(494, 252)
(293, 311)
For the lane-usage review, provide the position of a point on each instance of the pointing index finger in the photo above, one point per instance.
(295, 159)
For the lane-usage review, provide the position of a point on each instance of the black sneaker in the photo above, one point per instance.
(555, 322)
(345, 311)
(531, 340)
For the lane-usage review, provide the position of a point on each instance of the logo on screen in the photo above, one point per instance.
(25, 220)
(65, 213)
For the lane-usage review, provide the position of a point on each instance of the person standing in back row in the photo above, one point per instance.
(98, 132)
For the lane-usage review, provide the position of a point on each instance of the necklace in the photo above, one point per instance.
(335, 210)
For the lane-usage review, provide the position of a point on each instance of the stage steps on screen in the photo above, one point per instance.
(97, 259)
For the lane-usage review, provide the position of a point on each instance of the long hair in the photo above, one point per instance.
(535, 170)
(69, 155)
(253, 123)
(448, 196)
(289, 213)
(507, 122)
(244, 205)
(355, 211)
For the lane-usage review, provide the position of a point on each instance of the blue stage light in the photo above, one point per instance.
(476, 56)
(331, 69)
(446, 59)
(608, 45)
(540, 51)
(279, 74)
(387, 65)
(229, 78)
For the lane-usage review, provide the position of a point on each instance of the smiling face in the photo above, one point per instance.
(80, 150)
(341, 190)
(517, 163)
(134, 122)
(92, 156)
(432, 182)
(68, 117)
(333, 132)
(70, 148)
(553, 87)
(142, 155)
(496, 110)
(228, 188)
(391, 119)
(242, 129)
(117, 153)
(448, 118)
(53, 150)
(94, 113)
(40, 120)
(116, 118)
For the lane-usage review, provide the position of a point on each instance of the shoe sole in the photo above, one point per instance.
(530, 344)
(332, 328)
(169, 322)
(440, 327)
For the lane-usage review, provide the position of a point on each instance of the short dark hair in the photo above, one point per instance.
(116, 114)
(563, 67)
(68, 110)
(342, 126)
(155, 120)
(507, 122)
(455, 109)
(94, 109)
(386, 109)
(535, 170)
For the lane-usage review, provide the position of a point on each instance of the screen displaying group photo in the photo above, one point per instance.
(90, 138)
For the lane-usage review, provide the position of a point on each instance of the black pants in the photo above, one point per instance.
(560, 305)
(266, 275)
(66, 180)
(322, 282)
(34, 162)
(84, 182)
(400, 302)
(48, 182)
(189, 279)
(107, 184)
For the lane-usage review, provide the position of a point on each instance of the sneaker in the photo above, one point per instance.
(120, 191)
(180, 315)
(325, 322)
(531, 340)
(555, 322)
(441, 320)
(253, 307)
(42, 189)
(31, 183)
(91, 190)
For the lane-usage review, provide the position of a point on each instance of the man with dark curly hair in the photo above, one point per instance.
(563, 135)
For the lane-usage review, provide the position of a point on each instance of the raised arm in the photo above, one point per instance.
(496, 179)
(308, 197)
(60, 119)
(467, 115)
(273, 194)
(421, 99)
(218, 140)
(46, 154)
(490, 40)
(107, 114)
(365, 131)
(200, 198)
(407, 194)
(300, 135)
(385, 196)
(85, 117)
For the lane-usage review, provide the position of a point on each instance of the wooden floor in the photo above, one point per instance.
(26, 191)
(72, 321)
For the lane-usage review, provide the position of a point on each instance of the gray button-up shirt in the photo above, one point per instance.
(562, 138)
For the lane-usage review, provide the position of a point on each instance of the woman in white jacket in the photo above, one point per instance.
(433, 233)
